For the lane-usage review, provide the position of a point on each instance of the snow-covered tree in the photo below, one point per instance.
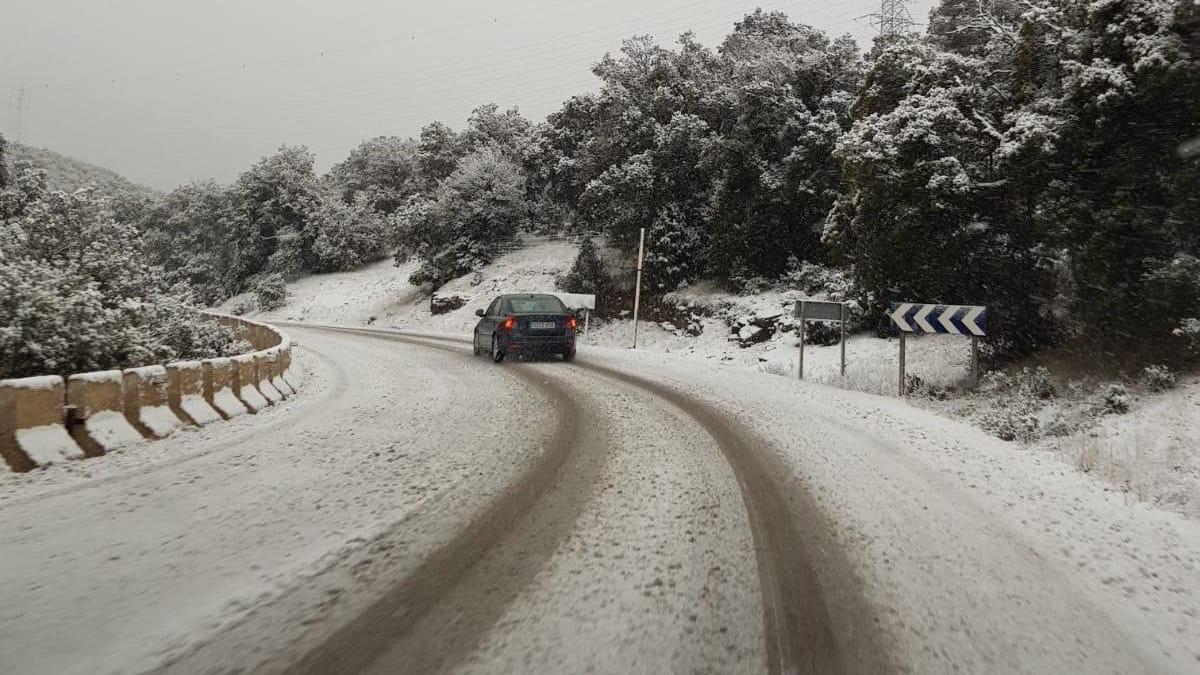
(588, 274)
(187, 235)
(478, 206)
(269, 211)
(438, 152)
(382, 170)
(348, 236)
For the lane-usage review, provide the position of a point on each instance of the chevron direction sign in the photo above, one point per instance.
(912, 317)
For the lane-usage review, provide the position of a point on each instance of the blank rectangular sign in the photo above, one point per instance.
(817, 310)
(578, 300)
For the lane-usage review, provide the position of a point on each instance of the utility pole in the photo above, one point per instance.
(893, 19)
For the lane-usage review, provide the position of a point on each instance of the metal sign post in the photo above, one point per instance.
(912, 317)
(819, 310)
(800, 369)
(842, 341)
(637, 292)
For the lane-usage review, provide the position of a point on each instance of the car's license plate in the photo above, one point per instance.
(541, 325)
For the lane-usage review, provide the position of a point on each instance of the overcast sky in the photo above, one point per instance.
(165, 91)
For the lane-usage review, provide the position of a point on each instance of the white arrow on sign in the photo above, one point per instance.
(898, 316)
(923, 318)
(970, 320)
(945, 320)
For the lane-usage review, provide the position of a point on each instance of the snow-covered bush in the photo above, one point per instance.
(1009, 419)
(270, 292)
(1008, 405)
(1189, 329)
(1114, 400)
(819, 281)
(921, 388)
(242, 307)
(1157, 378)
(1036, 383)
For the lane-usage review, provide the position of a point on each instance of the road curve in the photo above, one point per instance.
(416, 509)
(800, 632)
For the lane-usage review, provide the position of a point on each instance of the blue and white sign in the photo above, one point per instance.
(953, 319)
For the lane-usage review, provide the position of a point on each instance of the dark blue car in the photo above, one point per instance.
(525, 324)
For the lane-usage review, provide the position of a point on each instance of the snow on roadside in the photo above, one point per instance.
(957, 501)
(1152, 452)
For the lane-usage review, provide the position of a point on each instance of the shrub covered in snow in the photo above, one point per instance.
(1114, 400)
(1009, 405)
(270, 292)
(820, 281)
(1036, 383)
(1189, 329)
(76, 296)
(1009, 419)
(1157, 378)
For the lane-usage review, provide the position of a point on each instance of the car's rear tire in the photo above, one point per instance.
(569, 355)
(496, 354)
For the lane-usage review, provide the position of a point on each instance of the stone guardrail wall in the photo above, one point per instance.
(51, 419)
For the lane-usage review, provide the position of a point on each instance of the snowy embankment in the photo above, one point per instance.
(1151, 453)
(939, 515)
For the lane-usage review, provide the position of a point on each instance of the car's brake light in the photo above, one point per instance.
(510, 323)
(571, 322)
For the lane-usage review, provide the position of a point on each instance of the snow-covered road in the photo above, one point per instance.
(416, 509)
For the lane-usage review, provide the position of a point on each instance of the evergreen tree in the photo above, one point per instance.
(588, 274)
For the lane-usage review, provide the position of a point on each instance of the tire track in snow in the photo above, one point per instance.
(814, 622)
(399, 617)
(811, 627)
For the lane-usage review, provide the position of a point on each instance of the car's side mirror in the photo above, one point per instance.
(479, 312)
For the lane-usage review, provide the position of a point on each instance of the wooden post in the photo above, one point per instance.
(843, 315)
(902, 389)
(637, 292)
(803, 324)
(587, 315)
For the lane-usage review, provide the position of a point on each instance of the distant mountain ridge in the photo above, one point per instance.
(70, 174)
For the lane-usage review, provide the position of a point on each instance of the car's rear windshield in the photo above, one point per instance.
(537, 304)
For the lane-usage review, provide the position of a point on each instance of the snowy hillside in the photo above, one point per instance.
(69, 174)
(381, 295)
